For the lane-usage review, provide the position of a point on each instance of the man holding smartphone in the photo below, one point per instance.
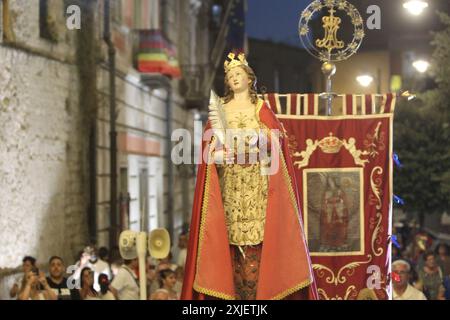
(36, 287)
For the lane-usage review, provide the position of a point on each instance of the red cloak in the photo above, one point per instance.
(285, 270)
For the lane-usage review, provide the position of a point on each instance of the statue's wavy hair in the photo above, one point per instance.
(229, 94)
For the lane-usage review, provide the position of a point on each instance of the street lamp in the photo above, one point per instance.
(415, 7)
(364, 80)
(421, 65)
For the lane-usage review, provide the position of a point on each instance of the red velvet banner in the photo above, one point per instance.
(343, 166)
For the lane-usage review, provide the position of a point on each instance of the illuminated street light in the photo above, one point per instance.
(365, 80)
(421, 65)
(415, 7)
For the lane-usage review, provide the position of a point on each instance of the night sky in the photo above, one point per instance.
(275, 20)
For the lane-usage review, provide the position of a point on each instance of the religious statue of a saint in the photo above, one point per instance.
(246, 233)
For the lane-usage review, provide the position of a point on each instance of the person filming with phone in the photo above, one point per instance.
(36, 287)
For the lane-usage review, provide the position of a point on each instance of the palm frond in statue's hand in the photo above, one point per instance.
(217, 117)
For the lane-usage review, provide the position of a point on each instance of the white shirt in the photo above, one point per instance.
(100, 267)
(181, 261)
(410, 293)
(107, 296)
(125, 282)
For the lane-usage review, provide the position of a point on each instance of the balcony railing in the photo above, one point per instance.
(194, 85)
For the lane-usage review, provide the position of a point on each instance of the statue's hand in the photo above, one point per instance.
(253, 142)
(223, 157)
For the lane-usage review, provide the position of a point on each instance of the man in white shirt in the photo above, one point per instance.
(182, 245)
(402, 289)
(125, 285)
(100, 267)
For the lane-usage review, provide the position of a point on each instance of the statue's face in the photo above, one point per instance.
(238, 80)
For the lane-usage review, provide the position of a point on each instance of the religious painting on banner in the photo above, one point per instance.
(343, 167)
(333, 212)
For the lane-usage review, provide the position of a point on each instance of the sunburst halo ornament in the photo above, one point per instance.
(304, 30)
(317, 5)
(307, 15)
(342, 4)
(331, 48)
(329, 3)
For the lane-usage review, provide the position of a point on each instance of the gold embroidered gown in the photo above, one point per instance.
(244, 195)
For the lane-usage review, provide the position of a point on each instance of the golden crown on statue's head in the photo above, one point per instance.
(330, 144)
(231, 62)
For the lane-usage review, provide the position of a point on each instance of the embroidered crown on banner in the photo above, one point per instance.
(330, 144)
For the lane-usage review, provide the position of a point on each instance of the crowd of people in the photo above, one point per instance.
(420, 267)
(98, 275)
(420, 271)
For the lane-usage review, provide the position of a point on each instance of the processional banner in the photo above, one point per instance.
(343, 167)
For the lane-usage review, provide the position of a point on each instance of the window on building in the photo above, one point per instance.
(43, 14)
(216, 14)
(6, 33)
(116, 11)
(124, 199)
(140, 14)
(47, 22)
(148, 15)
(143, 199)
(2, 27)
(155, 182)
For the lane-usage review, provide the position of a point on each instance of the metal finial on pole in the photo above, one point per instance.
(328, 69)
(330, 48)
